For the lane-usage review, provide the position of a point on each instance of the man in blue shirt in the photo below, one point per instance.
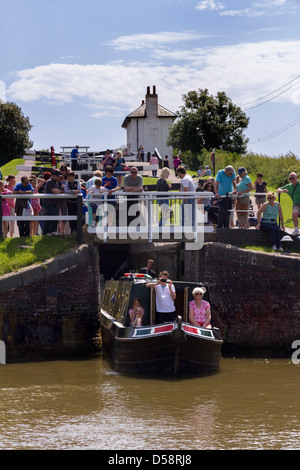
(74, 158)
(225, 183)
(110, 183)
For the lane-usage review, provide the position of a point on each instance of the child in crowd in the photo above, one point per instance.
(136, 313)
(95, 191)
(260, 186)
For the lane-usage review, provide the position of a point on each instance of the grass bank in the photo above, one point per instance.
(17, 253)
(11, 167)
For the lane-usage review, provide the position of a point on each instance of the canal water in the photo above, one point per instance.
(84, 405)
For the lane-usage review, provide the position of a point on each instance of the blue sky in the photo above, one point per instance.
(77, 68)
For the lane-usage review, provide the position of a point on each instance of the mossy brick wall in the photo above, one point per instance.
(52, 310)
(254, 296)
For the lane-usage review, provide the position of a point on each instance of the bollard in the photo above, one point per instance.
(2, 353)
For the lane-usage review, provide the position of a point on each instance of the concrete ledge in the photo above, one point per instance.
(255, 258)
(51, 267)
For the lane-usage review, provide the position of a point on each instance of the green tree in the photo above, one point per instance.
(207, 122)
(14, 132)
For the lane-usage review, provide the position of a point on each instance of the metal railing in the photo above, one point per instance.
(45, 217)
(151, 203)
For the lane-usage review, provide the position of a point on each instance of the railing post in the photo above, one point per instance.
(227, 215)
(79, 218)
(150, 215)
(1, 233)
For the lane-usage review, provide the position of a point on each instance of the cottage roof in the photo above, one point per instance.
(141, 113)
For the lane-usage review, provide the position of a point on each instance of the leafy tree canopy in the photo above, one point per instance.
(14, 132)
(207, 122)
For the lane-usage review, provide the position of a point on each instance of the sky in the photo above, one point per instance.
(77, 68)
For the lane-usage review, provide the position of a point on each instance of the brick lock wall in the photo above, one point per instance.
(254, 297)
(54, 309)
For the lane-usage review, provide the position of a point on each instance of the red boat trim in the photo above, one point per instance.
(191, 329)
(153, 330)
(207, 332)
(163, 329)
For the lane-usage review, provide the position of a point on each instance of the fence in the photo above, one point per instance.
(45, 217)
(161, 212)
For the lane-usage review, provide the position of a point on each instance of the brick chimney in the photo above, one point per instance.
(151, 102)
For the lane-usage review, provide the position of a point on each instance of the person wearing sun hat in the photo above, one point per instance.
(199, 309)
(243, 188)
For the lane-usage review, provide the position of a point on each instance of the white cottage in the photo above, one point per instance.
(148, 126)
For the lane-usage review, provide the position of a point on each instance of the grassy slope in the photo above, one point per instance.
(17, 253)
(11, 167)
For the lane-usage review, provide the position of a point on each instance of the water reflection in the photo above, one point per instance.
(249, 404)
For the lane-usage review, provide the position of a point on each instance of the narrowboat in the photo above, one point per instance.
(169, 349)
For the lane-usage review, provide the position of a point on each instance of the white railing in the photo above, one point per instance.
(152, 205)
(45, 217)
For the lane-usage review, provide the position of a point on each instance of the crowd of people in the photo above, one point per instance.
(228, 195)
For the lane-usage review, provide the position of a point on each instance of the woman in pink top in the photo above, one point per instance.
(199, 309)
(11, 183)
(154, 161)
(5, 208)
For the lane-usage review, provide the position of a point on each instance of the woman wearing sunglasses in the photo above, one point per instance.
(199, 309)
(267, 220)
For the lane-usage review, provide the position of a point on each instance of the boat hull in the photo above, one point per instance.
(171, 349)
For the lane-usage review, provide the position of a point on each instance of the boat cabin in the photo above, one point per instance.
(118, 296)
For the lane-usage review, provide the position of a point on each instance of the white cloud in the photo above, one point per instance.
(142, 41)
(266, 8)
(255, 9)
(243, 71)
(209, 5)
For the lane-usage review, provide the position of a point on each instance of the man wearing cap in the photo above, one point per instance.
(225, 184)
(74, 158)
(51, 206)
(206, 172)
